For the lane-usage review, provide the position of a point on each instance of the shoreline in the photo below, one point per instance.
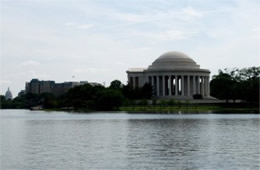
(179, 108)
(161, 110)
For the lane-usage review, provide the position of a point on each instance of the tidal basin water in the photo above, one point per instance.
(60, 140)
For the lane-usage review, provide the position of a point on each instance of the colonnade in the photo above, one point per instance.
(179, 85)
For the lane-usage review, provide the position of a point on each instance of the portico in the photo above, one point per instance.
(172, 75)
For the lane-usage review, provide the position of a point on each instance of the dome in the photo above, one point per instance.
(8, 95)
(173, 60)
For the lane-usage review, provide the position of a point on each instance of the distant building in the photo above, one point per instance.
(8, 94)
(94, 84)
(36, 86)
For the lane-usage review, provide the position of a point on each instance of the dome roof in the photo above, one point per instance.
(8, 94)
(173, 60)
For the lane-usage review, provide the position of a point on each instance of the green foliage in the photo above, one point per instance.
(171, 102)
(146, 91)
(108, 100)
(236, 84)
(164, 102)
(131, 93)
(116, 84)
(49, 100)
(179, 103)
(86, 97)
(94, 97)
(154, 102)
(16, 103)
(143, 102)
(82, 96)
(5, 103)
(197, 96)
(19, 102)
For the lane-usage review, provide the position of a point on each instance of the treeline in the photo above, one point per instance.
(234, 84)
(85, 97)
(237, 84)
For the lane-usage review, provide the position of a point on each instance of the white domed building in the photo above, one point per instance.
(173, 75)
(8, 94)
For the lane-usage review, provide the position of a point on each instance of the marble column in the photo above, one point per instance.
(182, 85)
(194, 85)
(199, 89)
(163, 85)
(158, 85)
(133, 82)
(188, 85)
(170, 85)
(152, 78)
(208, 84)
(176, 85)
(202, 86)
(205, 86)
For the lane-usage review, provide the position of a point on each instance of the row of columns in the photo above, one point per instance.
(180, 85)
(134, 81)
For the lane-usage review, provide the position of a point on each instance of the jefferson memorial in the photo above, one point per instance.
(173, 75)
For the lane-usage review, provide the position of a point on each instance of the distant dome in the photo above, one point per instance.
(8, 95)
(173, 60)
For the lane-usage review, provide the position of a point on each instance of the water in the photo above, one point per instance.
(60, 140)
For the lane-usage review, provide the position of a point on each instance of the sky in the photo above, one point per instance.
(98, 40)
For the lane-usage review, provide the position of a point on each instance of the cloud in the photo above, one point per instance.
(183, 14)
(256, 33)
(89, 70)
(6, 82)
(164, 36)
(79, 26)
(37, 74)
(69, 24)
(85, 26)
(172, 35)
(30, 63)
(191, 12)
(120, 63)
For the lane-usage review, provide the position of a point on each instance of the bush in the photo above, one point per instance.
(197, 96)
(171, 102)
(109, 100)
(143, 103)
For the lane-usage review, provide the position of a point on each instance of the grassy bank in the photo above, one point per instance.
(188, 109)
(173, 107)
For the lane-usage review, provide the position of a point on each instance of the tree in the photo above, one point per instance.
(49, 100)
(237, 84)
(147, 91)
(82, 96)
(3, 102)
(116, 84)
(19, 102)
(144, 92)
(108, 99)
(129, 92)
(221, 86)
(32, 100)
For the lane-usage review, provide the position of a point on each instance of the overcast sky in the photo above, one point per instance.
(98, 40)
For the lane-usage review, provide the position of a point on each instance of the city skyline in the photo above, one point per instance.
(98, 41)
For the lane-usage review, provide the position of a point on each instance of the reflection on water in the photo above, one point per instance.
(59, 140)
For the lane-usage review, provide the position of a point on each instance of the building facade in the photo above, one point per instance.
(172, 75)
(36, 86)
